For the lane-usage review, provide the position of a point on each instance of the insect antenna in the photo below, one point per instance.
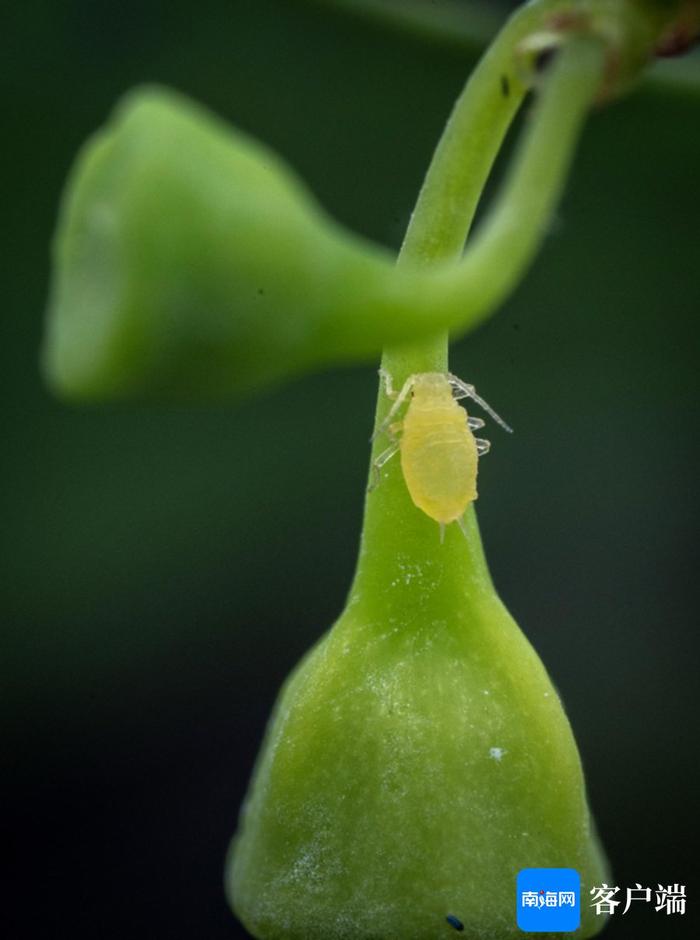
(489, 410)
(468, 391)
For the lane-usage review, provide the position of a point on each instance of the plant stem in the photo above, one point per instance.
(460, 295)
(455, 180)
(393, 528)
(506, 243)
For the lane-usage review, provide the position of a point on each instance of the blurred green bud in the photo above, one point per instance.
(189, 261)
(417, 759)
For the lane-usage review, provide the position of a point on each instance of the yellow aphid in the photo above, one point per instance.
(439, 453)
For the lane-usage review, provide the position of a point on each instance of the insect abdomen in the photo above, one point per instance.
(439, 462)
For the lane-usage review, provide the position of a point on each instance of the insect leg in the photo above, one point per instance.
(482, 446)
(379, 462)
(401, 398)
(475, 423)
(468, 391)
(385, 377)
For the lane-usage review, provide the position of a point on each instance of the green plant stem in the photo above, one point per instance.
(465, 293)
(393, 528)
(465, 153)
(457, 175)
(503, 248)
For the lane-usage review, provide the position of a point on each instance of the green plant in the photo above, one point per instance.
(191, 263)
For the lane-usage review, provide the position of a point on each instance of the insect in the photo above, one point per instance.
(439, 453)
(454, 922)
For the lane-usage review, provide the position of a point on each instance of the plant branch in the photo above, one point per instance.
(456, 178)
(460, 295)
(491, 265)
(519, 221)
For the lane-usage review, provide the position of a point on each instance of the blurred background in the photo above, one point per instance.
(162, 570)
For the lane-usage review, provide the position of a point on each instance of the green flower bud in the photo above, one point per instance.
(190, 262)
(417, 759)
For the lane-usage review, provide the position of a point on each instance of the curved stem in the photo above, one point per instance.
(456, 177)
(518, 223)
(397, 536)
(465, 153)
(437, 231)
(433, 293)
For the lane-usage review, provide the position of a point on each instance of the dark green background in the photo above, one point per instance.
(162, 570)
